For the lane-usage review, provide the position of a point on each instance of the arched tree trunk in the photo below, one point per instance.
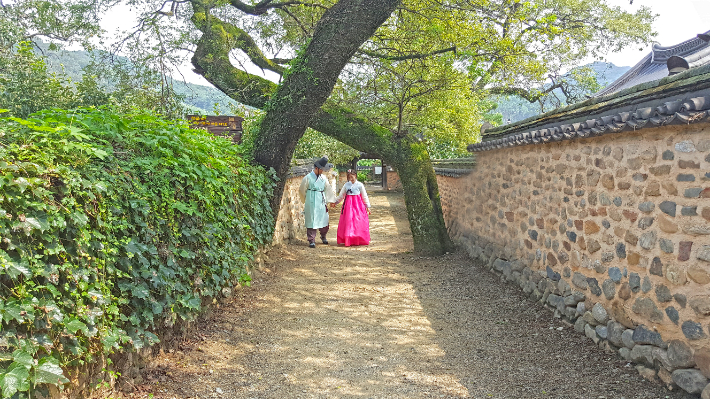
(413, 164)
(298, 103)
(311, 78)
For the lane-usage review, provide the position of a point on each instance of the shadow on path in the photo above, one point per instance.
(381, 322)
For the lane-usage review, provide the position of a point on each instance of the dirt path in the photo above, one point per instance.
(379, 322)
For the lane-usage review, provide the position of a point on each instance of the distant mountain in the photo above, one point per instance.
(515, 109)
(198, 97)
(203, 98)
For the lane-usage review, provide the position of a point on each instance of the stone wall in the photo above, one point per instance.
(393, 181)
(611, 232)
(290, 224)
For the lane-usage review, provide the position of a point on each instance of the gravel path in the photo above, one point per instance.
(380, 322)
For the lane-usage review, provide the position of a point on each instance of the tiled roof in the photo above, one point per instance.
(680, 99)
(455, 167)
(696, 52)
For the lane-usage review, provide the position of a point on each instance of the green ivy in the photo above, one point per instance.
(111, 227)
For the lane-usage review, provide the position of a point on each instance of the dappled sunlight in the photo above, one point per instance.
(362, 322)
(381, 322)
(333, 322)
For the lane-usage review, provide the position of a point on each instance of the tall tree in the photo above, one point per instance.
(499, 44)
(59, 20)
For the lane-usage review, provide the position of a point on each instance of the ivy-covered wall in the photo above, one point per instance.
(114, 228)
(611, 232)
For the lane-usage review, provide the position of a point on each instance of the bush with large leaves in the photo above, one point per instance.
(112, 226)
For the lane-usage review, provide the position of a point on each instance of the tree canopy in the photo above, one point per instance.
(417, 73)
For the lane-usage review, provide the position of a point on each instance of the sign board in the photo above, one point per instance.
(222, 125)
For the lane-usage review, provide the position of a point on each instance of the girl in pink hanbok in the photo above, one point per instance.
(354, 225)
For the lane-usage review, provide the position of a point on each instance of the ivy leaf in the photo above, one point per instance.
(101, 186)
(22, 183)
(150, 338)
(140, 291)
(43, 340)
(79, 218)
(101, 154)
(53, 312)
(16, 379)
(157, 307)
(133, 247)
(12, 268)
(96, 295)
(24, 358)
(12, 311)
(75, 325)
(37, 224)
(49, 372)
(191, 302)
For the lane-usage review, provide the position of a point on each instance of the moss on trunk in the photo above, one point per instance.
(421, 193)
(411, 160)
(298, 103)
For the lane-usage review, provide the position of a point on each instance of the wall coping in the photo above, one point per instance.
(679, 99)
(454, 167)
(452, 172)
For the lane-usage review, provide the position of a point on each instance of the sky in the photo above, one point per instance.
(677, 21)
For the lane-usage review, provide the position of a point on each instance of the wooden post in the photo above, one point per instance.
(384, 176)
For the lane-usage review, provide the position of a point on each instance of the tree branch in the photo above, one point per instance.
(298, 22)
(281, 61)
(225, 34)
(265, 5)
(211, 60)
(406, 57)
(531, 96)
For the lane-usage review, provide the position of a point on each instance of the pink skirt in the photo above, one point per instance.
(354, 225)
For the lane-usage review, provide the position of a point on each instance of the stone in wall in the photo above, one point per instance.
(627, 225)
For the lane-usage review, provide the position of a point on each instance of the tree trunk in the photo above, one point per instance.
(286, 125)
(411, 160)
(311, 78)
(421, 193)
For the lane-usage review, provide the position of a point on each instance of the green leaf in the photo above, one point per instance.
(140, 291)
(22, 357)
(75, 325)
(133, 247)
(79, 218)
(101, 154)
(38, 224)
(101, 186)
(12, 311)
(193, 303)
(15, 380)
(49, 372)
(22, 183)
(95, 295)
(12, 268)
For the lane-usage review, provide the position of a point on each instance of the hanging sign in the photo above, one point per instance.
(221, 125)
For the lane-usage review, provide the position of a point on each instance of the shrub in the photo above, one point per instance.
(110, 227)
